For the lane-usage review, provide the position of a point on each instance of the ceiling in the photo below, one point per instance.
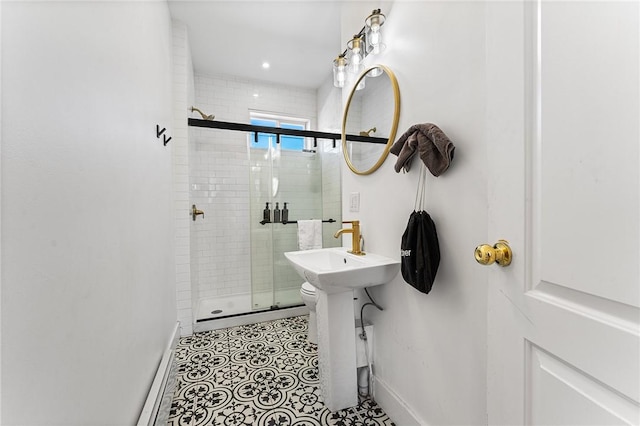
(299, 39)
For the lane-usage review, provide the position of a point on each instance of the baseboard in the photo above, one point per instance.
(158, 403)
(397, 410)
(175, 338)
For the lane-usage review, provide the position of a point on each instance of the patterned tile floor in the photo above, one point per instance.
(258, 374)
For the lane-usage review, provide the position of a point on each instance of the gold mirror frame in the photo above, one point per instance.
(394, 124)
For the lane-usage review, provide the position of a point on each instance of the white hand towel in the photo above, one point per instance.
(309, 234)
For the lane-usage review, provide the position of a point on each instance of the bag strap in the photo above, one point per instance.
(421, 191)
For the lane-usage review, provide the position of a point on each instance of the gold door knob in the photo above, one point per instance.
(500, 253)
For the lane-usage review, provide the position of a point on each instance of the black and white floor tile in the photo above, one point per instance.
(258, 374)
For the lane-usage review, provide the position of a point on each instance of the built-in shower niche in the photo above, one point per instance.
(309, 182)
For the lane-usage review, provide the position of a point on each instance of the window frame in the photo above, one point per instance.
(279, 120)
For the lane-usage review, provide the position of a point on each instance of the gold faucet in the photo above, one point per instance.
(355, 236)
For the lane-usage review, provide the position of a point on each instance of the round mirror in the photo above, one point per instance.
(370, 120)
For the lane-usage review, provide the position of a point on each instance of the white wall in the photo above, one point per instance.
(183, 94)
(87, 226)
(430, 349)
(329, 99)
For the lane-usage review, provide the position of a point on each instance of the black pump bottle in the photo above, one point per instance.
(276, 214)
(266, 214)
(285, 213)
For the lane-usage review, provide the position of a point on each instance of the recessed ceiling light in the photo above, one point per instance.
(265, 65)
(255, 95)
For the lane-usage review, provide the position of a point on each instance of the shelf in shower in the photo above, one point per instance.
(264, 222)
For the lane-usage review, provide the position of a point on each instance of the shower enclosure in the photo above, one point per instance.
(237, 260)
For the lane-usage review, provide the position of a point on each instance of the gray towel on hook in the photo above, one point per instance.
(434, 147)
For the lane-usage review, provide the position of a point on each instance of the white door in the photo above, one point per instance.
(563, 130)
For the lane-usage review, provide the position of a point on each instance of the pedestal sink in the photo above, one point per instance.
(335, 269)
(336, 273)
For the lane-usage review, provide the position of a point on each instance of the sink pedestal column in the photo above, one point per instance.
(337, 349)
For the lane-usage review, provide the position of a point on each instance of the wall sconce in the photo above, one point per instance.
(374, 35)
(354, 47)
(367, 41)
(339, 71)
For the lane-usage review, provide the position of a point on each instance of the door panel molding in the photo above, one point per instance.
(554, 381)
(609, 312)
(603, 349)
(575, 185)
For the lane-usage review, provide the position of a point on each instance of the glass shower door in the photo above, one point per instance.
(300, 186)
(261, 217)
(308, 181)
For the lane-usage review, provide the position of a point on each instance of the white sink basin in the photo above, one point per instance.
(334, 270)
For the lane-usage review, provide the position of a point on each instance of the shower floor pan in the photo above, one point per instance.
(234, 310)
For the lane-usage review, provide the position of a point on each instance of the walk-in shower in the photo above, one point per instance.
(237, 261)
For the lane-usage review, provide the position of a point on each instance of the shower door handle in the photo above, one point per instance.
(195, 212)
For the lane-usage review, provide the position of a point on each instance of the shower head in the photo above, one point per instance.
(204, 116)
(367, 132)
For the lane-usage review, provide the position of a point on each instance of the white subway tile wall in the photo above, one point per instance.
(219, 185)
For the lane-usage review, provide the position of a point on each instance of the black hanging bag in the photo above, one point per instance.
(419, 249)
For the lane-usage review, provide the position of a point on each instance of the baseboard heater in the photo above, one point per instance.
(158, 403)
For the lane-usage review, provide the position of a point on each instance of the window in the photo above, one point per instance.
(291, 143)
